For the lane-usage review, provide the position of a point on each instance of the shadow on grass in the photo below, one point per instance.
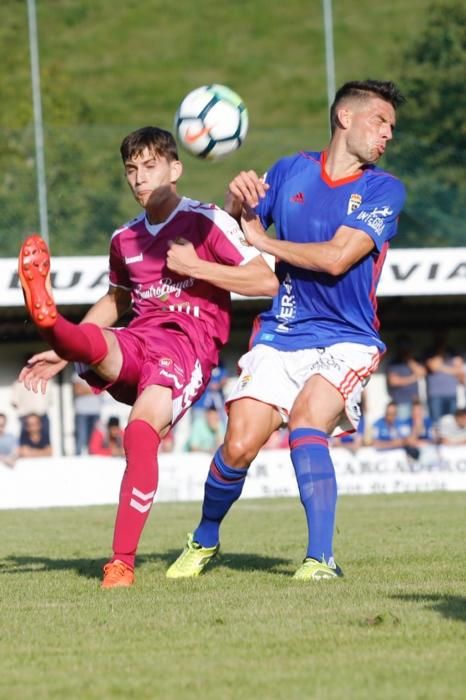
(452, 607)
(92, 568)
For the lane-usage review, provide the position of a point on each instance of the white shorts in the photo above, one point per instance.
(276, 377)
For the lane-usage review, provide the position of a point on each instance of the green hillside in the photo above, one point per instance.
(108, 67)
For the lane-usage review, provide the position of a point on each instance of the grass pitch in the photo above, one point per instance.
(394, 627)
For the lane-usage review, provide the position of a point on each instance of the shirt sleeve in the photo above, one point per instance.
(378, 214)
(118, 271)
(226, 241)
(274, 178)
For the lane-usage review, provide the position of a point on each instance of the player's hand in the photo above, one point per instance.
(39, 369)
(182, 257)
(246, 188)
(252, 228)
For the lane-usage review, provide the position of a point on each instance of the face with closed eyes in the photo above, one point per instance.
(368, 124)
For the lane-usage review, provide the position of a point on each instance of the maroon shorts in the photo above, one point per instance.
(155, 355)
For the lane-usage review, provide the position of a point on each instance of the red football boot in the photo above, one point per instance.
(34, 275)
(117, 574)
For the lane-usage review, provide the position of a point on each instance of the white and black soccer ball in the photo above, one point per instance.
(211, 122)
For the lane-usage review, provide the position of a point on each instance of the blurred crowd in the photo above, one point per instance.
(422, 410)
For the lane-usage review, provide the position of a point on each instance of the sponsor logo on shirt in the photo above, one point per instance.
(287, 305)
(354, 202)
(164, 288)
(375, 218)
(134, 259)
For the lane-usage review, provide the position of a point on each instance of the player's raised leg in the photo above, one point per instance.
(86, 342)
(250, 424)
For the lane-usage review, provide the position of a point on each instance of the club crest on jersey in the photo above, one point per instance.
(354, 203)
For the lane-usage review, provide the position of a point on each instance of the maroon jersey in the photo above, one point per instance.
(138, 263)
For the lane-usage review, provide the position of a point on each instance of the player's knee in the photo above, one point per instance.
(239, 450)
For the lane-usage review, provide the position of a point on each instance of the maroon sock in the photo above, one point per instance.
(77, 343)
(138, 489)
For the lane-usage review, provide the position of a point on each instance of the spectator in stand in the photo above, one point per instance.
(351, 441)
(207, 431)
(26, 402)
(403, 375)
(8, 444)
(213, 395)
(420, 430)
(420, 426)
(389, 432)
(87, 408)
(451, 428)
(34, 440)
(107, 441)
(445, 374)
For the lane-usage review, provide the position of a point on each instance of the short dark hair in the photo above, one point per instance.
(159, 141)
(113, 421)
(362, 89)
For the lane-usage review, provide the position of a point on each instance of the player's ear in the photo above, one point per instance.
(176, 168)
(344, 117)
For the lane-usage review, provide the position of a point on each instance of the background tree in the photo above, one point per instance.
(429, 152)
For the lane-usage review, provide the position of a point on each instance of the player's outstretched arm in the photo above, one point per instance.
(254, 278)
(335, 257)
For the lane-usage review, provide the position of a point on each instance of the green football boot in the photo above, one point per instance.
(192, 560)
(317, 570)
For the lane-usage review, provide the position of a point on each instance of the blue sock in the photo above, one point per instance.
(222, 488)
(317, 485)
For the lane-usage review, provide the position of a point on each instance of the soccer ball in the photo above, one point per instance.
(211, 122)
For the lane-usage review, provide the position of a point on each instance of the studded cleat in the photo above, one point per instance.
(117, 574)
(312, 569)
(34, 275)
(192, 560)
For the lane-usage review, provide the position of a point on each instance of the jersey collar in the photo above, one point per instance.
(155, 228)
(336, 183)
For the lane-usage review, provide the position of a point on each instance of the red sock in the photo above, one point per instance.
(138, 489)
(79, 343)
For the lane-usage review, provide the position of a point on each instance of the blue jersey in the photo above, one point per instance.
(316, 309)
